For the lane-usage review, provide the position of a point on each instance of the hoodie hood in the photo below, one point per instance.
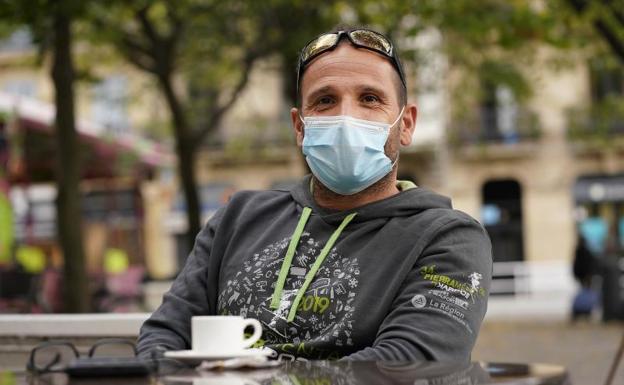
(405, 203)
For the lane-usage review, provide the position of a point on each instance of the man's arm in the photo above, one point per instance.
(437, 314)
(169, 327)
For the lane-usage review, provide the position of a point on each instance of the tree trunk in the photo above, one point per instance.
(185, 149)
(68, 206)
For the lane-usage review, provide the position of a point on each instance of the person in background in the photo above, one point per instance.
(583, 268)
(584, 263)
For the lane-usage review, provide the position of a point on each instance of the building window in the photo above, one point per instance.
(499, 114)
(497, 117)
(603, 117)
(20, 87)
(19, 41)
(109, 107)
(607, 79)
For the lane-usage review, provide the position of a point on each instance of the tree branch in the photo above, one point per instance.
(162, 48)
(137, 54)
(216, 113)
(615, 10)
(578, 5)
(610, 36)
(133, 43)
(146, 25)
(177, 27)
(134, 50)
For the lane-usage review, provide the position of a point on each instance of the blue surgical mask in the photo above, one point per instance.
(347, 154)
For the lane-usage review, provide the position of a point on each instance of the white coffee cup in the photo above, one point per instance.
(223, 334)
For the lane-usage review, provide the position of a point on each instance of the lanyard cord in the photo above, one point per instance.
(279, 286)
(294, 240)
(317, 265)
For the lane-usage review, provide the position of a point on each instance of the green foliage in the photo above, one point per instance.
(602, 23)
(36, 15)
(489, 42)
(486, 42)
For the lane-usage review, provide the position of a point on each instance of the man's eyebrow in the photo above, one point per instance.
(322, 90)
(374, 90)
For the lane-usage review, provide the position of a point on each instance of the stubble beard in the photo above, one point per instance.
(324, 193)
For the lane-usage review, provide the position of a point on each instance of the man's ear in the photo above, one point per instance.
(297, 125)
(408, 124)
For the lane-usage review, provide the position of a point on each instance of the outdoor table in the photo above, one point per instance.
(331, 372)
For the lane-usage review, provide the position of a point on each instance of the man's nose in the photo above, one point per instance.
(348, 107)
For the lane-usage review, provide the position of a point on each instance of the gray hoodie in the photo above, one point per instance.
(403, 278)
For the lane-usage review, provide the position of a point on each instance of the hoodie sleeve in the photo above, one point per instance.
(438, 311)
(169, 327)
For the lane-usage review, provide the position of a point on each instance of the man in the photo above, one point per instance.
(350, 263)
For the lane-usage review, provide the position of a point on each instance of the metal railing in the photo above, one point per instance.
(489, 126)
(531, 278)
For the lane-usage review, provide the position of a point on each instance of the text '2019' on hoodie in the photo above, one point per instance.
(404, 278)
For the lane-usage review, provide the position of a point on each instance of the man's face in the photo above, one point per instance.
(355, 82)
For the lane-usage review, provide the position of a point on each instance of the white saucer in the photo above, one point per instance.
(197, 356)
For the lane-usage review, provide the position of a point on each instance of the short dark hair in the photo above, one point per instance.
(399, 72)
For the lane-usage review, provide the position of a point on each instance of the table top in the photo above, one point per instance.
(328, 372)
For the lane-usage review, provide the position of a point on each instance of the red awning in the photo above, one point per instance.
(104, 155)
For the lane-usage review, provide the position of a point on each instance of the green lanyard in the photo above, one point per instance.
(294, 240)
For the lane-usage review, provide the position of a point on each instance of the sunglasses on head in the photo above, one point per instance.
(361, 38)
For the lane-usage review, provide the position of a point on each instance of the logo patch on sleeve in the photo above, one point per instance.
(419, 301)
(450, 296)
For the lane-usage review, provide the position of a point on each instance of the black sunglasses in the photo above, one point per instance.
(63, 356)
(361, 38)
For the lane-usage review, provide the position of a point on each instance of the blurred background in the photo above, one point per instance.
(124, 125)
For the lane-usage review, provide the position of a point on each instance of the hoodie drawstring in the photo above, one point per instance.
(294, 240)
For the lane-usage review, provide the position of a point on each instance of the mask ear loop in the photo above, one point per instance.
(392, 125)
(302, 122)
(398, 117)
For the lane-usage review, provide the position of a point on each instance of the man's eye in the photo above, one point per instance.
(370, 99)
(324, 100)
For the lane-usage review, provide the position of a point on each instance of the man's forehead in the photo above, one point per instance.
(348, 64)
